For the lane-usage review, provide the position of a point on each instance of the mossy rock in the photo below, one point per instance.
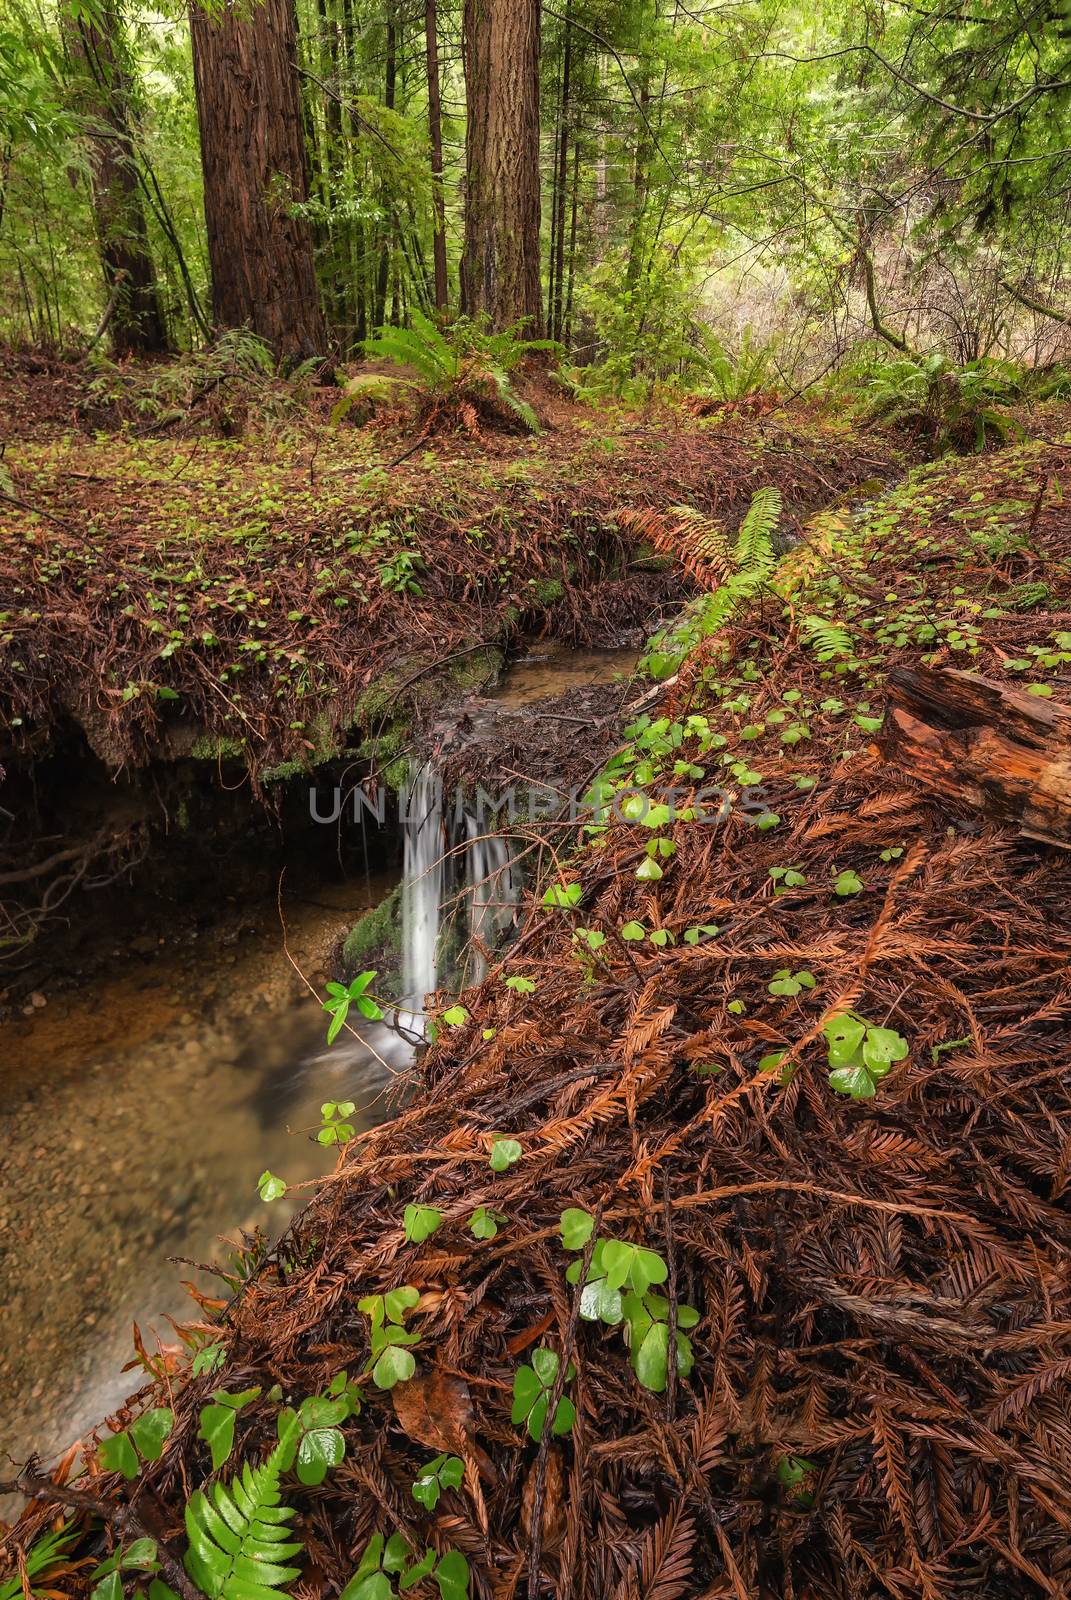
(478, 668)
(376, 937)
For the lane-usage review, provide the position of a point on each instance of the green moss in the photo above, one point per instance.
(547, 591)
(474, 670)
(283, 772)
(222, 747)
(396, 773)
(377, 934)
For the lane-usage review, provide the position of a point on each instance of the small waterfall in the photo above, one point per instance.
(423, 883)
(494, 888)
(435, 870)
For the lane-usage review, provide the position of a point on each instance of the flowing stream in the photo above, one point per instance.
(138, 1110)
(136, 1115)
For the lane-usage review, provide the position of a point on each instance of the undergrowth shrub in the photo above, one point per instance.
(462, 376)
(956, 407)
(219, 388)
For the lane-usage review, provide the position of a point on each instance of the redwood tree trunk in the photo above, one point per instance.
(103, 97)
(253, 153)
(435, 130)
(500, 262)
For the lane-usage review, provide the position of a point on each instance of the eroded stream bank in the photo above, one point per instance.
(181, 1052)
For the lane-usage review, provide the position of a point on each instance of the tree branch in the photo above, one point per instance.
(1035, 305)
(120, 1516)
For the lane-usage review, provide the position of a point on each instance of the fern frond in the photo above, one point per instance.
(509, 397)
(828, 639)
(754, 551)
(238, 1541)
(366, 386)
(696, 541)
(421, 347)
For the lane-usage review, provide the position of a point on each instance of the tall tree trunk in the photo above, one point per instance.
(355, 159)
(253, 154)
(640, 181)
(567, 326)
(103, 96)
(500, 262)
(390, 89)
(561, 181)
(435, 130)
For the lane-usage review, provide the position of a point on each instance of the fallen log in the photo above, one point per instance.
(995, 749)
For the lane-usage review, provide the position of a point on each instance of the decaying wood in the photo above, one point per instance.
(995, 749)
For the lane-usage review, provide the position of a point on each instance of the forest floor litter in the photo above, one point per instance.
(822, 1349)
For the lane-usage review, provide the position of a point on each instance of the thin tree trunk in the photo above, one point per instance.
(552, 253)
(500, 264)
(435, 130)
(640, 180)
(253, 153)
(390, 85)
(567, 326)
(103, 96)
(561, 180)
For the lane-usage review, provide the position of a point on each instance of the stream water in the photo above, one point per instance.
(135, 1119)
(137, 1113)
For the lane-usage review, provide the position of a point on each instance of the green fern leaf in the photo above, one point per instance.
(827, 639)
(754, 551)
(238, 1541)
(510, 398)
(421, 347)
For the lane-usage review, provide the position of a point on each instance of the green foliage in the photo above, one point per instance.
(464, 365)
(733, 376)
(956, 405)
(386, 1559)
(532, 1388)
(217, 1420)
(322, 1444)
(618, 1290)
(335, 1129)
(829, 640)
(138, 1557)
(238, 1539)
(421, 1222)
(393, 1360)
(485, 1222)
(748, 566)
(340, 997)
(565, 895)
(44, 1556)
(145, 1439)
(445, 1472)
(860, 1054)
(504, 1153)
(788, 984)
(208, 1358)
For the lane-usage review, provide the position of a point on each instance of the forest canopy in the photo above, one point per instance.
(669, 191)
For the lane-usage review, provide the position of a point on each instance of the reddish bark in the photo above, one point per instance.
(102, 91)
(253, 153)
(500, 263)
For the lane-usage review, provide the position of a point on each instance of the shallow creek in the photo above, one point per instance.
(137, 1112)
(135, 1119)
